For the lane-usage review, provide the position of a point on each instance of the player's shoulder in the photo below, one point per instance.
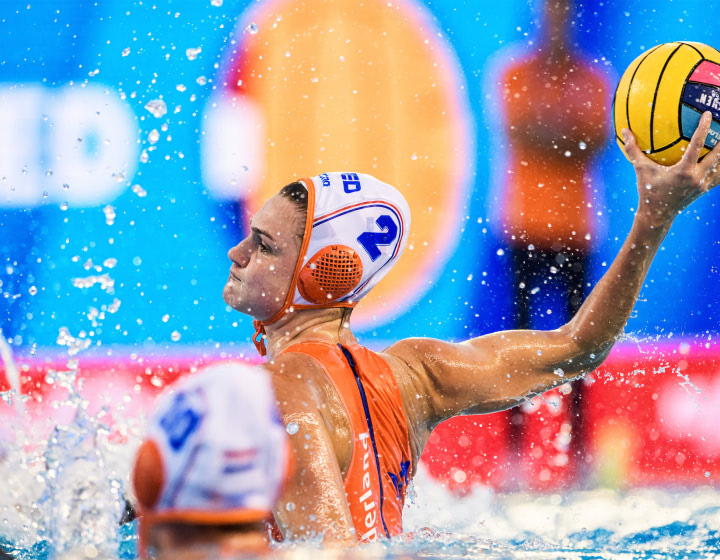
(416, 352)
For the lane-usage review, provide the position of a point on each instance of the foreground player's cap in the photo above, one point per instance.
(215, 452)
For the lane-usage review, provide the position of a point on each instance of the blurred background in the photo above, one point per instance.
(137, 138)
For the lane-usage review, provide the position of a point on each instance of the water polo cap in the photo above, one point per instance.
(215, 452)
(355, 231)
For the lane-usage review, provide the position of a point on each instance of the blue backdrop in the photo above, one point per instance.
(165, 247)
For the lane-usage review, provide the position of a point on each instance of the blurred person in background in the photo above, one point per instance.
(213, 461)
(359, 420)
(555, 107)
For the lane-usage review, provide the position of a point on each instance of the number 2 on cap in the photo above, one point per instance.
(370, 240)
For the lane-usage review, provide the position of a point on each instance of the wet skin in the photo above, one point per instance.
(438, 379)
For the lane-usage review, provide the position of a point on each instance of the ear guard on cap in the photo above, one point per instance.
(330, 274)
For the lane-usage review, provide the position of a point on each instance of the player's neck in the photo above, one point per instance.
(308, 325)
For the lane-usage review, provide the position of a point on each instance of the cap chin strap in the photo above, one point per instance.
(259, 337)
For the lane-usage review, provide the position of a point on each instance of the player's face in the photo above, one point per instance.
(264, 262)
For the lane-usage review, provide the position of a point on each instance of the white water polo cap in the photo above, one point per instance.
(355, 231)
(215, 452)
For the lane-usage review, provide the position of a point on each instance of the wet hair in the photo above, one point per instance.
(297, 194)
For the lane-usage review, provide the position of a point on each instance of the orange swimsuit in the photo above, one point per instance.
(380, 467)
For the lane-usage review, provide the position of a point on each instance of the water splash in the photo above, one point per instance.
(82, 505)
(74, 345)
(106, 282)
(12, 374)
(192, 53)
(156, 107)
(62, 494)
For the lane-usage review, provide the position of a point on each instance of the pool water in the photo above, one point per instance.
(647, 523)
(589, 524)
(65, 492)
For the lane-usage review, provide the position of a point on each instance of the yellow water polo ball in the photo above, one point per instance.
(662, 95)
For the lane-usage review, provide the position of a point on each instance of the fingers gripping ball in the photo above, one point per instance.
(663, 94)
(330, 274)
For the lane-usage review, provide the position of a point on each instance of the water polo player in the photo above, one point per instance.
(213, 462)
(359, 420)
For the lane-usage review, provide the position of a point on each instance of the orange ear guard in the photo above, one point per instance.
(148, 481)
(330, 274)
(148, 476)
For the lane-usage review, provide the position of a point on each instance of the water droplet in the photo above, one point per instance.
(126, 51)
(32, 291)
(165, 318)
(157, 107)
(45, 194)
(110, 263)
(138, 190)
(567, 153)
(144, 156)
(137, 261)
(252, 28)
(180, 87)
(175, 336)
(582, 146)
(239, 82)
(109, 212)
(288, 54)
(559, 372)
(153, 136)
(290, 506)
(413, 157)
(500, 252)
(707, 474)
(216, 3)
(63, 206)
(192, 53)
(66, 187)
(539, 352)
(292, 428)
(202, 80)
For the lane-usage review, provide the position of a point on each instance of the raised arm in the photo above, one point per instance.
(497, 371)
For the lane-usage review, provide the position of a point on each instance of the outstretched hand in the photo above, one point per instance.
(666, 191)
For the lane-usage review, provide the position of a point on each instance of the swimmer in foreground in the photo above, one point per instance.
(214, 460)
(360, 420)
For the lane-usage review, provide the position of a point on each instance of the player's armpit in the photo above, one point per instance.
(495, 371)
